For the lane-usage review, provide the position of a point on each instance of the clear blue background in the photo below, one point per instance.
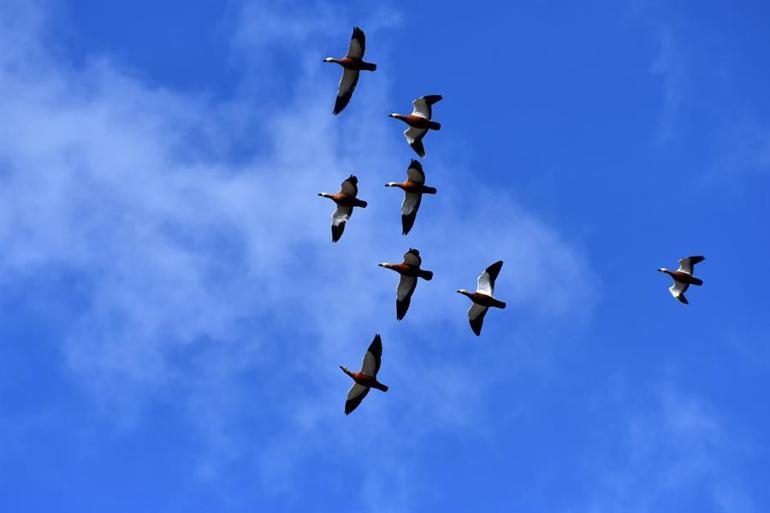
(172, 313)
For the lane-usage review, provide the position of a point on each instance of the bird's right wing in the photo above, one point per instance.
(339, 218)
(414, 138)
(355, 396)
(406, 286)
(409, 209)
(345, 90)
(678, 289)
(476, 317)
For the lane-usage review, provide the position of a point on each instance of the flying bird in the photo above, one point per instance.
(352, 64)
(419, 122)
(367, 377)
(345, 199)
(483, 298)
(683, 277)
(414, 187)
(409, 270)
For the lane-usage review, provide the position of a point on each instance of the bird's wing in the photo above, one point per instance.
(350, 186)
(687, 264)
(412, 258)
(355, 396)
(406, 286)
(409, 209)
(414, 138)
(339, 218)
(678, 289)
(345, 90)
(422, 105)
(357, 44)
(373, 357)
(486, 281)
(415, 173)
(476, 317)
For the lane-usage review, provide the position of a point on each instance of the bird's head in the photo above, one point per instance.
(662, 270)
(328, 59)
(391, 184)
(463, 292)
(394, 115)
(345, 369)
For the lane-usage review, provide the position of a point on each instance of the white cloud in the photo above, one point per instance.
(205, 280)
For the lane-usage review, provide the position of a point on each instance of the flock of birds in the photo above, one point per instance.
(420, 122)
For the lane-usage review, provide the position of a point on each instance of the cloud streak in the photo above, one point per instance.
(208, 286)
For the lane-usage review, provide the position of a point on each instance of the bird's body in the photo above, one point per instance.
(414, 187)
(366, 378)
(419, 121)
(483, 299)
(409, 270)
(683, 277)
(346, 199)
(352, 64)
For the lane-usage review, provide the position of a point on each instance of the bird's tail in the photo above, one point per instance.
(425, 275)
(435, 126)
(361, 203)
(429, 190)
(368, 66)
(380, 386)
(500, 304)
(696, 281)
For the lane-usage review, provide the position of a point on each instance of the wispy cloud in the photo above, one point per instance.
(675, 452)
(209, 286)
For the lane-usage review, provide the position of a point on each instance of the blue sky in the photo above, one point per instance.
(173, 314)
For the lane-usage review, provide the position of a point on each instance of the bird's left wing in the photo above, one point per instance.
(422, 105)
(357, 44)
(486, 281)
(373, 357)
(415, 173)
(687, 264)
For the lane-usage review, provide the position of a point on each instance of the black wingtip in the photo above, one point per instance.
(419, 151)
(401, 310)
(407, 222)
